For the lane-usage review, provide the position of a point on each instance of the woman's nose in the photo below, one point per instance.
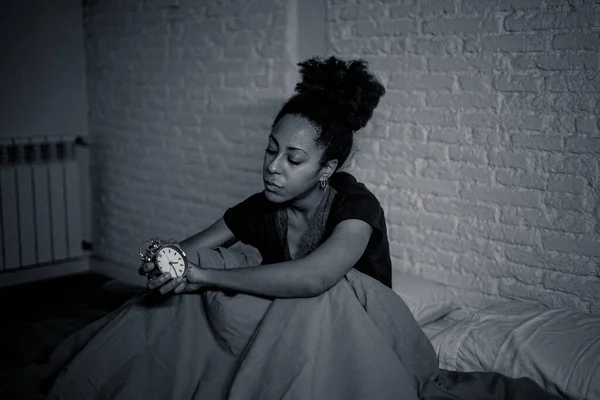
(274, 166)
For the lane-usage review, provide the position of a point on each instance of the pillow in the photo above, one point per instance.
(427, 300)
(557, 348)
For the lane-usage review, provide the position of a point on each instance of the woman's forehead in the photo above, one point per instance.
(295, 131)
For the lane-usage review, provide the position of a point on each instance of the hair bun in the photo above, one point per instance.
(346, 88)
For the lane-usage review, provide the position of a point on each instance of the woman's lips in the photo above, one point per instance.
(272, 187)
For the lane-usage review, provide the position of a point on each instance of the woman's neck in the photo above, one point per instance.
(305, 207)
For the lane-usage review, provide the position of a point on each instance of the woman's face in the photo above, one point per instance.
(292, 165)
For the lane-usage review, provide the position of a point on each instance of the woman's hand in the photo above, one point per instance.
(166, 284)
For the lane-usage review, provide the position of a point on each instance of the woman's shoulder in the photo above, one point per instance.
(350, 188)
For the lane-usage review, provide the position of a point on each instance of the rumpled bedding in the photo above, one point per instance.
(357, 340)
(557, 348)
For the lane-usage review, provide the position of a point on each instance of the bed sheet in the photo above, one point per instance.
(559, 349)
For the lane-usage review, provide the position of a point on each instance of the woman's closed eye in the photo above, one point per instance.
(294, 161)
(291, 160)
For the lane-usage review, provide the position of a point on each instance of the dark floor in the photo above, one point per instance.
(37, 316)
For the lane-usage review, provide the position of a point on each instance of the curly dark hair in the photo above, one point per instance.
(338, 98)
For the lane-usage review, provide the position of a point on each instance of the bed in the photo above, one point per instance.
(558, 348)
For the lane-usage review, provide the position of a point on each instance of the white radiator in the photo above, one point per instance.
(40, 202)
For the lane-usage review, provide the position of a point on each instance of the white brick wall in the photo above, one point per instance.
(486, 150)
(182, 95)
(484, 153)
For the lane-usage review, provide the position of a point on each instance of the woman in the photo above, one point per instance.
(305, 250)
(317, 320)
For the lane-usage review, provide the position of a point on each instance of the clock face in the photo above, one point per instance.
(170, 259)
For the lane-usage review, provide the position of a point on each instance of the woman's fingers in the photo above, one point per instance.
(180, 288)
(159, 281)
(166, 284)
(171, 285)
(145, 268)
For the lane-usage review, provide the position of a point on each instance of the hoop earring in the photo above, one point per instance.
(323, 183)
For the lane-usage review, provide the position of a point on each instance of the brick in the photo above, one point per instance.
(516, 83)
(566, 184)
(479, 265)
(460, 25)
(583, 145)
(538, 142)
(456, 244)
(521, 179)
(403, 99)
(448, 135)
(424, 116)
(564, 201)
(372, 46)
(586, 288)
(384, 28)
(402, 234)
(404, 8)
(566, 164)
(441, 258)
(565, 221)
(576, 41)
(425, 221)
(512, 287)
(427, 151)
(563, 102)
(508, 43)
(588, 81)
(504, 233)
(427, 186)
(453, 63)
(555, 62)
(398, 46)
(437, 46)
(490, 137)
(474, 84)
(567, 244)
(424, 82)
(588, 124)
(479, 6)
(413, 133)
(502, 196)
(453, 172)
(340, 31)
(462, 209)
(508, 159)
(478, 119)
(471, 154)
(460, 100)
(522, 121)
(357, 12)
(533, 21)
(437, 7)
(567, 262)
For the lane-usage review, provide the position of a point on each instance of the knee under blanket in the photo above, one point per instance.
(358, 340)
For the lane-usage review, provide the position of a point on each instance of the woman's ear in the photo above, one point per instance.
(329, 169)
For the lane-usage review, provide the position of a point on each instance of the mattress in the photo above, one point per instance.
(558, 348)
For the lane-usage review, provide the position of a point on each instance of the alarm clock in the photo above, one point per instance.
(166, 256)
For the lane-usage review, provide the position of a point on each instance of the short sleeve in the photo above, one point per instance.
(243, 219)
(361, 205)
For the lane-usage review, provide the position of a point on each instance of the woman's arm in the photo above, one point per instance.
(306, 277)
(216, 235)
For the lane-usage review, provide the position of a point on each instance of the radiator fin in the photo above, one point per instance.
(40, 202)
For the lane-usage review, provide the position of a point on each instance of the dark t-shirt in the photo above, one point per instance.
(253, 222)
